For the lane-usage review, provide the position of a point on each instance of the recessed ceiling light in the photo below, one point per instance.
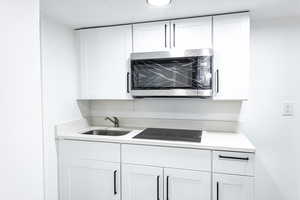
(159, 2)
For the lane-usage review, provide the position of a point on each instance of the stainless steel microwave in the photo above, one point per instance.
(175, 73)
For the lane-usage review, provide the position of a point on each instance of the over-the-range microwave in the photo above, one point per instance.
(175, 73)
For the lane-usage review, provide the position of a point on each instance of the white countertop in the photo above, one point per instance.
(210, 140)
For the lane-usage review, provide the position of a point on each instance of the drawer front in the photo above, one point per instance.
(83, 150)
(233, 163)
(167, 157)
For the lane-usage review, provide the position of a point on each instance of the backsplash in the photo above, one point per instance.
(165, 113)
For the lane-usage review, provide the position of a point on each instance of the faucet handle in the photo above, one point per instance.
(116, 122)
(116, 119)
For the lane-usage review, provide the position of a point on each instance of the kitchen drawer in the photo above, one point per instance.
(83, 150)
(167, 157)
(233, 163)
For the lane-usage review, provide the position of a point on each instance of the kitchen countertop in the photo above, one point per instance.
(210, 140)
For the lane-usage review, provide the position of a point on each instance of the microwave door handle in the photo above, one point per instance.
(166, 26)
(128, 82)
(174, 35)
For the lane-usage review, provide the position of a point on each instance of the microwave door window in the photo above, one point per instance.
(165, 74)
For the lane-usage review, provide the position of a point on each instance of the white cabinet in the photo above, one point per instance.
(194, 33)
(232, 187)
(154, 36)
(231, 56)
(90, 180)
(148, 183)
(142, 182)
(187, 184)
(104, 62)
(233, 163)
(91, 171)
(85, 172)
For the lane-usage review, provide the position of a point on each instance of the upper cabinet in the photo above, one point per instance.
(153, 36)
(104, 62)
(194, 33)
(105, 53)
(231, 40)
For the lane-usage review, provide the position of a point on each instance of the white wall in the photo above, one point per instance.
(21, 168)
(60, 91)
(275, 79)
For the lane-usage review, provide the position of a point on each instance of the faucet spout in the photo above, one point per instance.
(113, 120)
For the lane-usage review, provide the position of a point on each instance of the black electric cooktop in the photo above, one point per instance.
(170, 134)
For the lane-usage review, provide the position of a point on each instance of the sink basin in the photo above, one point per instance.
(107, 132)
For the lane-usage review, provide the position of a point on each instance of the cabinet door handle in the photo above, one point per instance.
(157, 185)
(217, 76)
(234, 158)
(128, 82)
(115, 182)
(174, 35)
(166, 26)
(217, 190)
(167, 187)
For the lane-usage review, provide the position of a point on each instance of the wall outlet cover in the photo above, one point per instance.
(288, 109)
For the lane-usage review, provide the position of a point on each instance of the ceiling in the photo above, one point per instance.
(84, 13)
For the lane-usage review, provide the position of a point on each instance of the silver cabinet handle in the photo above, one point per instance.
(128, 80)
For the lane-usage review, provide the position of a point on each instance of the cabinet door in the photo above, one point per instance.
(142, 182)
(232, 187)
(231, 56)
(153, 36)
(89, 180)
(187, 184)
(194, 33)
(104, 62)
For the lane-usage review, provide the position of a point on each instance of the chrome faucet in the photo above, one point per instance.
(115, 121)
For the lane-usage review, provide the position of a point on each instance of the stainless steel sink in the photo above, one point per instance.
(107, 132)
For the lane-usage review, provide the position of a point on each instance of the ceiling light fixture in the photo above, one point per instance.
(158, 2)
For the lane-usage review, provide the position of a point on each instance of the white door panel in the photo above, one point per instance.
(232, 187)
(231, 56)
(152, 36)
(194, 33)
(90, 180)
(104, 62)
(142, 182)
(187, 184)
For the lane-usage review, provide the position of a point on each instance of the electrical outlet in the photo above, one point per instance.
(288, 109)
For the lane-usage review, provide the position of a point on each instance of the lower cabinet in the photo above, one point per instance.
(89, 180)
(142, 182)
(233, 187)
(187, 184)
(95, 171)
(155, 183)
